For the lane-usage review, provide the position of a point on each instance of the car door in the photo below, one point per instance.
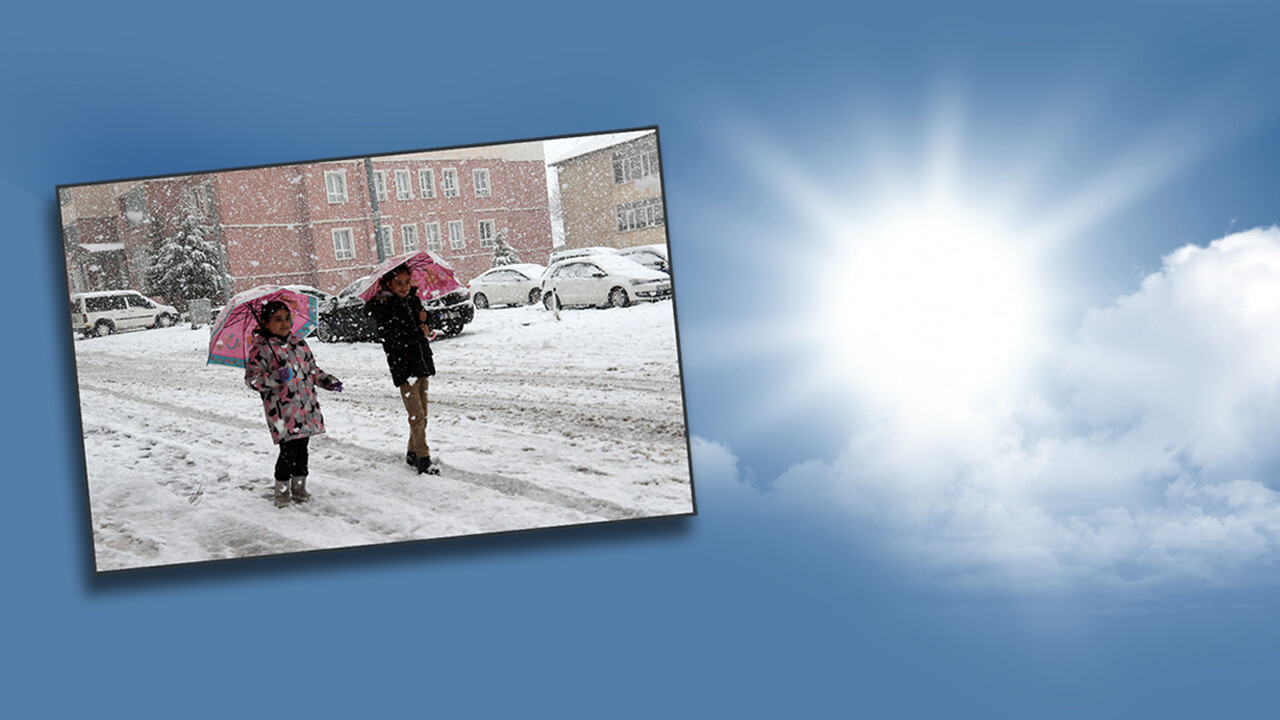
(496, 287)
(141, 311)
(117, 310)
(573, 287)
(596, 284)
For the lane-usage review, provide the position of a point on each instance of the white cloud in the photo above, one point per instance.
(1159, 468)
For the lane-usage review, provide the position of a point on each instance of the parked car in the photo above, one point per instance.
(321, 297)
(342, 317)
(653, 257)
(516, 284)
(602, 280)
(316, 293)
(566, 253)
(108, 311)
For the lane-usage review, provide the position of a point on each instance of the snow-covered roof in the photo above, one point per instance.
(558, 151)
(659, 248)
(530, 269)
(101, 247)
(105, 293)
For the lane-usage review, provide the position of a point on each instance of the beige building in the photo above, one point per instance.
(611, 196)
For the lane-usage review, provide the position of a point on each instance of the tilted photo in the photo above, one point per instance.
(373, 350)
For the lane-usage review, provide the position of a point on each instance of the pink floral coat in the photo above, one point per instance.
(292, 408)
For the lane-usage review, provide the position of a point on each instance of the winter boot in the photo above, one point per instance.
(298, 486)
(282, 497)
(425, 466)
(411, 457)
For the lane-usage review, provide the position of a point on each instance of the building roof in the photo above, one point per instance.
(559, 151)
(101, 247)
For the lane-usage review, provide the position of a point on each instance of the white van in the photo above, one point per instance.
(108, 311)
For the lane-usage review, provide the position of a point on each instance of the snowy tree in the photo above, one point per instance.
(185, 264)
(503, 253)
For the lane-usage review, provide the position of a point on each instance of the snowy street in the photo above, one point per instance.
(535, 423)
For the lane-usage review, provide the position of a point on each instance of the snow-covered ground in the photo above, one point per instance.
(535, 422)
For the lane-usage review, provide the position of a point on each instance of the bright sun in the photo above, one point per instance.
(932, 305)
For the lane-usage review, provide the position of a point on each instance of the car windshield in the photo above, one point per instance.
(353, 288)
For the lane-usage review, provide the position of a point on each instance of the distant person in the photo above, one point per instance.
(402, 327)
(282, 369)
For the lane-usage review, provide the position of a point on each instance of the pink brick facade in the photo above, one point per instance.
(278, 225)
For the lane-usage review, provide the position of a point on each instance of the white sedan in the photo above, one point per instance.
(516, 284)
(603, 280)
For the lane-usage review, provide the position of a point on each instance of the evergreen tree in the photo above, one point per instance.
(185, 265)
(503, 253)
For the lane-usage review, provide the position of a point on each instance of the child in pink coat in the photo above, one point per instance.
(284, 372)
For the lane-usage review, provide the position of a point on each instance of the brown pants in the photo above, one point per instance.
(414, 395)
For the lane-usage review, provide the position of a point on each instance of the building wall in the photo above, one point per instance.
(266, 220)
(517, 203)
(590, 198)
(276, 225)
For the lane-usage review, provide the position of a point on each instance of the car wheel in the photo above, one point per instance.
(618, 297)
(480, 300)
(164, 320)
(549, 301)
(103, 328)
(534, 295)
(323, 333)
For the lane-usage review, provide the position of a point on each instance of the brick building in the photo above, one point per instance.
(323, 224)
(109, 229)
(611, 196)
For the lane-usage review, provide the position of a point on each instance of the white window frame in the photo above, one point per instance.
(404, 186)
(639, 215)
(493, 231)
(634, 164)
(407, 233)
(335, 186)
(380, 184)
(339, 251)
(483, 188)
(457, 241)
(449, 181)
(433, 237)
(427, 181)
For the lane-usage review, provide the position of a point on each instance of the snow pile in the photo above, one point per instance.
(536, 423)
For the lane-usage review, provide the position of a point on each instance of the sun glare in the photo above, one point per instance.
(931, 305)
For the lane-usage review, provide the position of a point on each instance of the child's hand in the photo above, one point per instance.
(336, 386)
(284, 374)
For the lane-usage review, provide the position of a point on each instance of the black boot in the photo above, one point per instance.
(425, 466)
(411, 458)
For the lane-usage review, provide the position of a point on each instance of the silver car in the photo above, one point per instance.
(517, 284)
(603, 281)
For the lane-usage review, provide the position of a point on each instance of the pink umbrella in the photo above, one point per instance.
(428, 272)
(233, 332)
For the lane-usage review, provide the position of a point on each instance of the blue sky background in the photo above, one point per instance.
(1131, 579)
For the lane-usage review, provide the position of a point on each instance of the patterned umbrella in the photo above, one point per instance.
(429, 272)
(233, 332)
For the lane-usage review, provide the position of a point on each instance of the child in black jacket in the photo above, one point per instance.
(402, 326)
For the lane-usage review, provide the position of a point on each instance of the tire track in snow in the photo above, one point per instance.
(510, 486)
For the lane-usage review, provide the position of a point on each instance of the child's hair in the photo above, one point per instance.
(388, 276)
(269, 308)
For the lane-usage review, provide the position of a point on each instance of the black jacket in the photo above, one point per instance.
(408, 352)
